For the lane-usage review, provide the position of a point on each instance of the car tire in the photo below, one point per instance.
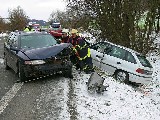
(21, 73)
(122, 76)
(68, 73)
(5, 63)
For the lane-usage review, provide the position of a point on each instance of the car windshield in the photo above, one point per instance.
(144, 61)
(37, 41)
(55, 25)
(36, 27)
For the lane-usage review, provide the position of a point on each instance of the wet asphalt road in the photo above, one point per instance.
(49, 98)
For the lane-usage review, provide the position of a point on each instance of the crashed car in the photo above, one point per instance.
(35, 54)
(125, 64)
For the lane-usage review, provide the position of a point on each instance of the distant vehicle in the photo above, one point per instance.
(125, 64)
(36, 27)
(55, 30)
(35, 54)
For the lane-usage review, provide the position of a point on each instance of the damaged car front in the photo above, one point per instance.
(37, 55)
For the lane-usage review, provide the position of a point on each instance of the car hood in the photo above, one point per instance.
(47, 52)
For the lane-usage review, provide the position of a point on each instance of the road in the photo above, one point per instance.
(50, 98)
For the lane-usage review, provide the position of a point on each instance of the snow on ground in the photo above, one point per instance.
(120, 101)
(3, 34)
(1, 61)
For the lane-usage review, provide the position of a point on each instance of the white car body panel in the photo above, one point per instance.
(96, 60)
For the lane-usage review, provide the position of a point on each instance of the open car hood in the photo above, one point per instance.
(47, 52)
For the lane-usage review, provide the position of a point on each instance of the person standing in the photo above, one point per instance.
(65, 36)
(29, 28)
(82, 57)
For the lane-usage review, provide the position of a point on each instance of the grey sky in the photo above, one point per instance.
(35, 9)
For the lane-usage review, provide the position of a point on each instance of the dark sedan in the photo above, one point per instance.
(36, 54)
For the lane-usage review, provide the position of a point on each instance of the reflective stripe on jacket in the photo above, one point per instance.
(26, 29)
(80, 48)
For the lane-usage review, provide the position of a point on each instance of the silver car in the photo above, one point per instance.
(123, 63)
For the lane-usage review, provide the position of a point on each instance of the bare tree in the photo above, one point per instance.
(18, 19)
(118, 20)
(2, 25)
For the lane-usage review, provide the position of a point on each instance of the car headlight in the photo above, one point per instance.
(35, 62)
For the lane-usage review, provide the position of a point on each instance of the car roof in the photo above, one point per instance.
(27, 33)
(128, 49)
(33, 33)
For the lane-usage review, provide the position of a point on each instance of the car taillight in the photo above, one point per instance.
(146, 72)
(139, 70)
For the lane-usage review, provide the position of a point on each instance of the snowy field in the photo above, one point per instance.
(120, 101)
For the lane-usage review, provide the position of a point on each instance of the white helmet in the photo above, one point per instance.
(30, 24)
(65, 31)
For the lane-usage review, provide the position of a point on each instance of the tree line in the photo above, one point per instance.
(17, 20)
(126, 22)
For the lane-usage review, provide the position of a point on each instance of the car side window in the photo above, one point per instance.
(108, 48)
(144, 61)
(15, 42)
(130, 58)
(117, 52)
(94, 46)
(99, 47)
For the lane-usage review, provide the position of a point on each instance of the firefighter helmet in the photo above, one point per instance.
(74, 31)
(65, 31)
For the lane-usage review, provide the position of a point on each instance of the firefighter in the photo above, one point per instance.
(26, 29)
(65, 36)
(29, 28)
(82, 57)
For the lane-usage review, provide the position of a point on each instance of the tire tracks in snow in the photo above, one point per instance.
(71, 103)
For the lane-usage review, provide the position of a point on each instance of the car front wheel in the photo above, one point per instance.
(5, 63)
(68, 73)
(122, 76)
(21, 73)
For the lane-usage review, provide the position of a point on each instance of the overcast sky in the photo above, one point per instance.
(35, 9)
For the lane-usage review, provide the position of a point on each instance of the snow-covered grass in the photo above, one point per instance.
(120, 101)
(3, 34)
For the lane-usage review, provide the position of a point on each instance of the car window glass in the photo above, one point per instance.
(130, 58)
(144, 61)
(107, 47)
(13, 41)
(96, 46)
(117, 52)
(55, 25)
(37, 41)
(101, 47)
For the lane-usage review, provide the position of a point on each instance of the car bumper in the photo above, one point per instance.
(56, 34)
(141, 79)
(41, 70)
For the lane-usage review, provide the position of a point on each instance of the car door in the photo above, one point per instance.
(13, 54)
(113, 59)
(7, 56)
(97, 52)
